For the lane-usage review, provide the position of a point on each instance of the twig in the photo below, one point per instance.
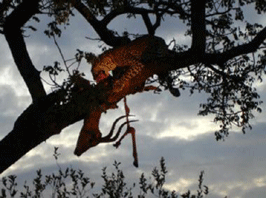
(62, 56)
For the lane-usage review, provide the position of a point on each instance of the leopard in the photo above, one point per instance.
(127, 61)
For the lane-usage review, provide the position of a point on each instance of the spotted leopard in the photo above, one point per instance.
(130, 59)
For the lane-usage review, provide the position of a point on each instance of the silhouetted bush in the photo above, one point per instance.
(74, 183)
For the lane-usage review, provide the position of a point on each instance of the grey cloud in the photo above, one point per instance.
(255, 192)
(11, 106)
(149, 104)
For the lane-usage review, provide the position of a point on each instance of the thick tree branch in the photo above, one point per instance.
(22, 13)
(100, 27)
(148, 24)
(198, 26)
(13, 34)
(37, 123)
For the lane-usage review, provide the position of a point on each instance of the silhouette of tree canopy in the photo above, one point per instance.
(225, 58)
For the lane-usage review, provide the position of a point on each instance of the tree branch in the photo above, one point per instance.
(13, 34)
(198, 26)
(127, 9)
(148, 24)
(37, 123)
(158, 21)
(252, 46)
(100, 27)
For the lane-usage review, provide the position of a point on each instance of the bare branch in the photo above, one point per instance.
(61, 54)
(144, 13)
(148, 24)
(219, 13)
(127, 9)
(158, 21)
(100, 27)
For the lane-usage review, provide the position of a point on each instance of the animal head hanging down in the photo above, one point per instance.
(90, 135)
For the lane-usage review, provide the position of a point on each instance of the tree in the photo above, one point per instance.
(224, 60)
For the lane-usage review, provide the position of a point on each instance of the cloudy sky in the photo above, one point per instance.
(167, 126)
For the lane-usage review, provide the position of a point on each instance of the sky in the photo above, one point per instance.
(167, 126)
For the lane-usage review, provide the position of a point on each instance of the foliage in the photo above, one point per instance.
(74, 183)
